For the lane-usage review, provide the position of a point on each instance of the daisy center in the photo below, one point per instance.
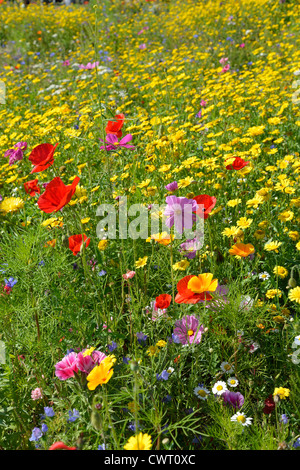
(241, 419)
(202, 393)
(219, 387)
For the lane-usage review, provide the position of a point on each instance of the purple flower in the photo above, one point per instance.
(49, 412)
(112, 346)
(16, 153)
(141, 338)
(44, 428)
(284, 419)
(163, 376)
(234, 399)
(172, 186)
(10, 282)
(113, 142)
(36, 434)
(188, 330)
(190, 248)
(73, 415)
(179, 212)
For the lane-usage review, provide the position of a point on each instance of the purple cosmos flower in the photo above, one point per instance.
(190, 248)
(234, 399)
(16, 153)
(180, 212)
(113, 142)
(188, 330)
(172, 186)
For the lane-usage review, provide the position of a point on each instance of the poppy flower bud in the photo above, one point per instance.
(291, 283)
(96, 420)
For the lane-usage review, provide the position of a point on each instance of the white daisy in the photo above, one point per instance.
(241, 418)
(297, 340)
(219, 388)
(233, 382)
(264, 276)
(201, 392)
(226, 367)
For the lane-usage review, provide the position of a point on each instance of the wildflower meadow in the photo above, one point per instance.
(149, 209)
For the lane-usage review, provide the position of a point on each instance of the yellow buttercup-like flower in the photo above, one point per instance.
(11, 204)
(139, 442)
(101, 373)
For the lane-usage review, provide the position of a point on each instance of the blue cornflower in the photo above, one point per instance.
(284, 419)
(163, 376)
(73, 415)
(49, 412)
(36, 434)
(101, 447)
(141, 337)
(44, 428)
(112, 346)
(11, 282)
(101, 273)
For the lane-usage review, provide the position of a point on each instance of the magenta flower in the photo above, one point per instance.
(112, 142)
(16, 153)
(234, 399)
(65, 368)
(87, 362)
(128, 275)
(180, 212)
(203, 103)
(188, 330)
(172, 186)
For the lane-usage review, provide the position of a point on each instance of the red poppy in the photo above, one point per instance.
(208, 203)
(59, 445)
(187, 296)
(163, 301)
(75, 242)
(57, 195)
(32, 188)
(238, 164)
(269, 405)
(42, 157)
(114, 127)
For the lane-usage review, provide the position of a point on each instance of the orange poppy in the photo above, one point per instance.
(192, 289)
(242, 250)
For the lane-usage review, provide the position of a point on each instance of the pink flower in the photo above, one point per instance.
(112, 142)
(129, 275)
(65, 368)
(188, 330)
(203, 103)
(226, 68)
(36, 394)
(242, 45)
(223, 60)
(89, 66)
